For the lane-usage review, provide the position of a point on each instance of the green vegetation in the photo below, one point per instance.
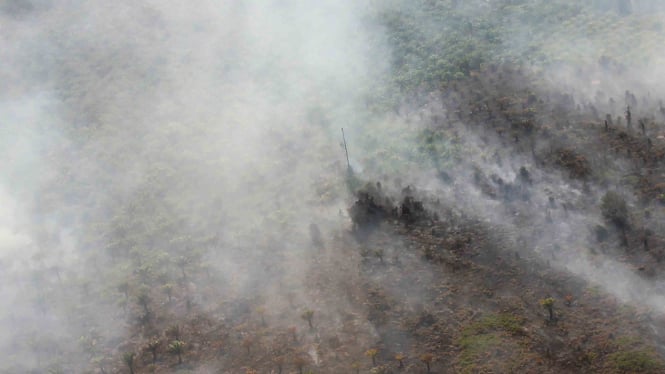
(548, 304)
(400, 357)
(168, 290)
(128, 358)
(356, 367)
(435, 42)
(479, 337)
(371, 353)
(247, 343)
(261, 311)
(474, 346)
(153, 346)
(308, 315)
(158, 227)
(427, 358)
(495, 322)
(614, 209)
(636, 362)
(177, 347)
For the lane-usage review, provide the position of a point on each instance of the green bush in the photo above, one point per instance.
(614, 209)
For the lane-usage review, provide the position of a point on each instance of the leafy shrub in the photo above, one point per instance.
(614, 209)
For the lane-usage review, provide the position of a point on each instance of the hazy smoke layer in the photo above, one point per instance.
(136, 133)
(162, 147)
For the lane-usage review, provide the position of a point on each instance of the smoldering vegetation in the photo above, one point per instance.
(175, 195)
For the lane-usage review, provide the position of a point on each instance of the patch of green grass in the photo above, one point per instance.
(627, 309)
(493, 322)
(475, 345)
(481, 336)
(631, 180)
(636, 361)
(594, 291)
(628, 341)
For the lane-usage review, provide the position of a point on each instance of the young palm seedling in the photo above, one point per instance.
(307, 315)
(371, 353)
(177, 348)
(427, 358)
(548, 304)
(400, 357)
(379, 253)
(143, 299)
(182, 263)
(128, 358)
(261, 311)
(124, 289)
(247, 344)
(101, 363)
(168, 290)
(153, 346)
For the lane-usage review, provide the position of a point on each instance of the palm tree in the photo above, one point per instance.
(168, 289)
(182, 263)
(371, 353)
(152, 346)
(549, 305)
(177, 347)
(400, 357)
(308, 315)
(427, 360)
(262, 312)
(247, 343)
(129, 360)
(143, 299)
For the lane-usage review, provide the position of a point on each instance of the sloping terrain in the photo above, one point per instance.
(410, 273)
(178, 198)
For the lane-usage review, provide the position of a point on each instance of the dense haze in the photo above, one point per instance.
(193, 149)
(211, 120)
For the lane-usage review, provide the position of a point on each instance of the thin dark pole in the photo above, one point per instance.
(346, 150)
